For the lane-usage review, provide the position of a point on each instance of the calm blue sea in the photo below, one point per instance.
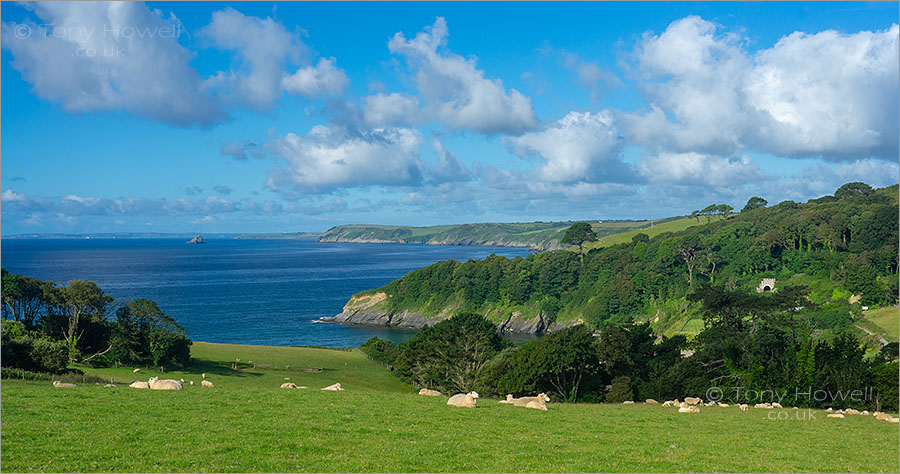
(269, 292)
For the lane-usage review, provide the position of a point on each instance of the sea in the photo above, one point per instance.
(239, 291)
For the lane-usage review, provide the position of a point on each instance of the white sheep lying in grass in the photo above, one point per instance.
(692, 400)
(466, 400)
(650, 401)
(336, 387)
(671, 403)
(206, 383)
(537, 405)
(288, 385)
(524, 401)
(776, 405)
(165, 384)
(58, 384)
(743, 407)
(834, 415)
(628, 402)
(135, 371)
(509, 399)
(689, 409)
(430, 393)
(139, 384)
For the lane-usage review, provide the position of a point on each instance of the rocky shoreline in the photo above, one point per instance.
(368, 311)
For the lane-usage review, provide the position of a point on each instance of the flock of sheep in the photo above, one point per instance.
(470, 400)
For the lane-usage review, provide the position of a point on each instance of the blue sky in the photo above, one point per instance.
(268, 117)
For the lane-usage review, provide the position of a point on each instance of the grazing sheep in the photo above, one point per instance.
(743, 406)
(509, 398)
(135, 371)
(537, 405)
(58, 384)
(288, 385)
(521, 402)
(689, 409)
(206, 383)
(692, 400)
(651, 401)
(430, 393)
(628, 402)
(139, 384)
(336, 387)
(166, 384)
(465, 400)
(834, 415)
(776, 405)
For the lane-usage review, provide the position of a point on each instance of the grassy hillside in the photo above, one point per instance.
(652, 229)
(281, 235)
(883, 321)
(247, 424)
(538, 235)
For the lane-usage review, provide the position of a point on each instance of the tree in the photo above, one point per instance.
(165, 338)
(620, 390)
(853, 190)
(579, 234)
(755, 202)
(724, 209)
(23, 297)
(448, 355)
(79, 300)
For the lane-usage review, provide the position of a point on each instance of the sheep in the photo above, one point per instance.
(288, 385)
(58, 384)
(865, 412)
(651, 401)
(692, 400)
(834, 415)
(287, 378)
(110, 385)
(743, 406)
(537, 405)
(166, 384)
(776, 405)
(206, 383)
(762, 405)
(465, 400)
(670, 403)
(628, 402)
(135, 371)
(336, 387)
(851, 411)
(430, 393)
(689, 409)
(829, 409)
(192, 383)
(521, 402)
(139, 384)
(509, 398)
(203, 375)
(882, 416)
(893, 419)
(710, 404)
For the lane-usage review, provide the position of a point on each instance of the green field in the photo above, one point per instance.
(884, 322)
(247, 424)
(657, 227)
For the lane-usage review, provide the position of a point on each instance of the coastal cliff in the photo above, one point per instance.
(373, 310)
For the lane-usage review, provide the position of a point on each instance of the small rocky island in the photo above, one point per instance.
(197, 240)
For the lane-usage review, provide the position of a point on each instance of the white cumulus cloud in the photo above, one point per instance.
(313, 81)
(700, 169)
(455, 91)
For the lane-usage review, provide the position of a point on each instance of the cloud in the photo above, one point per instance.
(381, 110)
(263, 48)
(580, 147)
(455, 91)
(702, 170)
(240, 151)
(821, 95)
(332, 156)
(10, 196)
(589, 75)
(101, 56)
(192, 190)
(449, 169)
(75, 206)
(222, 189)
(319, 80)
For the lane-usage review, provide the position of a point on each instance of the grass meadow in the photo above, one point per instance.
(247, 424)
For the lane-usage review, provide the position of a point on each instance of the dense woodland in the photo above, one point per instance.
(46, 326)
(835, 245)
